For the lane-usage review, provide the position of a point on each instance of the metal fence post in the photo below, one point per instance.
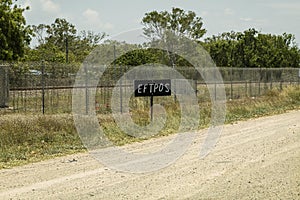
(231, 89)
(43, 86)
(121, 92)
(250, 88)
(259, 79)
(298, 77)
(246, 88)
(86, 91)
(271, 84)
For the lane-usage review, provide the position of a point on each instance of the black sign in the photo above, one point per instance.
(143, 88)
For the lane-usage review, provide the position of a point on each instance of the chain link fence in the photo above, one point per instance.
(42, 87)
(254, 82)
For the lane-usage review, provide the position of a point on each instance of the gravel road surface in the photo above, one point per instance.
(254, 159)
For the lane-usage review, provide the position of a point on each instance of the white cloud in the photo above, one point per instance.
(91, 15)
(247, 19)
(286, 5)
(254, 22)
(287, 8)
(204, 13)
(107, 26)
(228, 11)
(50, 6)
(93, 20)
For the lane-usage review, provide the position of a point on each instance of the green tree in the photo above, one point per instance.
(39, 32)
(84, 43)
(253, 49)
(60, 39)
(60, 32)
(169, 26)
(178, 21)
(14, 34)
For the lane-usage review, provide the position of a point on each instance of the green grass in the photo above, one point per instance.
(273, 102)
(26, 138)
(30, 138)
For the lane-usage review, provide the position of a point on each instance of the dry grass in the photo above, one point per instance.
(26, 138)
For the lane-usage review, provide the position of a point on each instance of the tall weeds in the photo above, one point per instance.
(28, 138)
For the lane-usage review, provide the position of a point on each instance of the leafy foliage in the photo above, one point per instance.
(253, 49)
(59, 42)
(177, 21)
(14, 34)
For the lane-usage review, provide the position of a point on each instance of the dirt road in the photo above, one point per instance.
(255, 159)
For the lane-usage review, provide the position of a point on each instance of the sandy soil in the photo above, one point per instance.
(255, 159)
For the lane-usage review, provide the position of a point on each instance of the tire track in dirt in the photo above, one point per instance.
(258, 158)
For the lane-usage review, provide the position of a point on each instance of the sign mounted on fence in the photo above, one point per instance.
(146, 88)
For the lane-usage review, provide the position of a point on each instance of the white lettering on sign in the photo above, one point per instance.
(152, 87)
(167, 86)
(139, 88)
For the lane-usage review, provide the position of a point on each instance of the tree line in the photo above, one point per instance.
(61, 42)
(252, 48)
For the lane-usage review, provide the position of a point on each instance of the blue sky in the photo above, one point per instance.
(115, 16)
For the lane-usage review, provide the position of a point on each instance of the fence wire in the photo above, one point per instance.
(38, 87)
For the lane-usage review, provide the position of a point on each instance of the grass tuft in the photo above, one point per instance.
(26, 138)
